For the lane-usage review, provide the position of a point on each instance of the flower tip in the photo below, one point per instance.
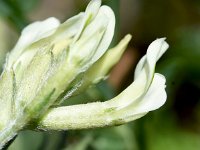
(164, 45)
(163, 41)
(94, 2)
(93, 6)
(128, 37)
(53, 20)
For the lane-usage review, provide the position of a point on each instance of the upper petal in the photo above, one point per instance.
(90, 13)
(32, 33)
(144, 79)
(148, 62)
(109, 32)
(83, 47)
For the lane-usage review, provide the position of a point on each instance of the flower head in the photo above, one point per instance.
(54, 55)
(52, 62)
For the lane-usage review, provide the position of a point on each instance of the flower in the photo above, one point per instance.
(145, 94)
(52, 62)
(54, 55)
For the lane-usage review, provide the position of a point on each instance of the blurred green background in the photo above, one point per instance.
(176, 126)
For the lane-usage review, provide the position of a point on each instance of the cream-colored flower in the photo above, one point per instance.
(52, 62)
(145, 94)
(49, 63)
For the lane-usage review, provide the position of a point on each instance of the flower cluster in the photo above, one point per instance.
(52, 62)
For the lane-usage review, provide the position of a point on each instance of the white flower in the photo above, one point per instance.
(54, 55)
(52, 62)
(145, 94)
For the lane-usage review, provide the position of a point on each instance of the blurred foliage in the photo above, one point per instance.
(8, 38)
(15, 10)
(176, 125)
(4, 42)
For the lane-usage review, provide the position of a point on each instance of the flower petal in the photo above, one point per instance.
(90, 13)
(109, 32)
(107, 61)
(32, 33)
(104, 64)
(103, 24)
(155, 97)
(144, 76)
(154, 52)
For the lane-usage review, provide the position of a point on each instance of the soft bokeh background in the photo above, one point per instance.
(176, 126)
